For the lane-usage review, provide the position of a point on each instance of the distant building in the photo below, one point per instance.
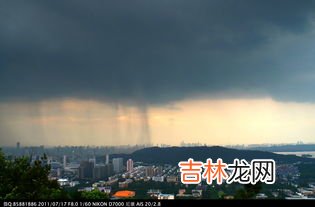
(93, 160)
(154, 191)
(18, 145)
(159, 170)
(111, 182)
(64, 161)
(158, 178)
(125, 183)
(118, 165)
(150, 171)
(86, 170)
(122, 185)
(63, 182)
(261, 196)
(166, 196)
(172, 179)
(74, 183)
(86, 189)
(105, 189)
(109, 170)
(107, 159)
(129, 165)
(126, 175)
(99, 172)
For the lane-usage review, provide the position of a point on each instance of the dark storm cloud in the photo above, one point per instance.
(156, 51)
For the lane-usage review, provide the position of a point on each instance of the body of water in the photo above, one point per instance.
(298, 153)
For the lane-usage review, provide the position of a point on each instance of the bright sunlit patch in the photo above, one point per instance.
(206, 121)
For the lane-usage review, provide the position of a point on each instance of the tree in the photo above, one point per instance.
(93, 195)
(221, 194)
(249, 191)
(22, 180)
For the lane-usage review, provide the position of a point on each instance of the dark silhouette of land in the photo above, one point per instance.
(172, 155)
(286, 148)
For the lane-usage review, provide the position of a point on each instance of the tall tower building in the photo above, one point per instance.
(118, 165)
(129, 165)
(107, 159)
(93, 160)
(64, 161)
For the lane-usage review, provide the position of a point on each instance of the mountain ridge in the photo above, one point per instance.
(173, 155)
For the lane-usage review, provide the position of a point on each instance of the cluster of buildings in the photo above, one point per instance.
(288, 173)
(302, 193)
(167, 173)
(117, 185)
(157, 194)
(89, 169)
(115, 176)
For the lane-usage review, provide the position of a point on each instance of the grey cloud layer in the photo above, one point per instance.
(156, 51)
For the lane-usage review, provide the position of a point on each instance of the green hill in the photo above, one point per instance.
(172, 155)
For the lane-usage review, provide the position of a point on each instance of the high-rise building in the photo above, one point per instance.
(18, 145)
(64, 161)
(109, 170)
(118, 165)
(93, 160)
(86, 170)
(99, 172)
(151, 171)
(129, 165)
(107, 159)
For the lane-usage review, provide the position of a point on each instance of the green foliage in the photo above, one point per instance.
(22, 180)
(249, 191)
(307, 173)
(221, 194)
(142, 187)
(94, 195)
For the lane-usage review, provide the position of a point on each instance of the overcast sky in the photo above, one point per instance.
(133, 61)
